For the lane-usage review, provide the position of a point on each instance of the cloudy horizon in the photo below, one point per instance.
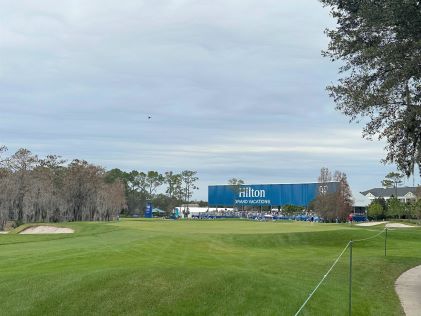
(234, 89)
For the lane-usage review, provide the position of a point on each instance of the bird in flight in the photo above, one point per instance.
(149, 117)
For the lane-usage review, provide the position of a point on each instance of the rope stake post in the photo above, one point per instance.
(385, 243)
(350, 278)
(349, 245)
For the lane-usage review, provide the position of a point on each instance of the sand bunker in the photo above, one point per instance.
(371, 223)
(388, 225)
(47, 230)
(2, 232)
(398, 225)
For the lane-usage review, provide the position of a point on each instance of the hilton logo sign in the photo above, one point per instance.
(251, 193)
(250, 196)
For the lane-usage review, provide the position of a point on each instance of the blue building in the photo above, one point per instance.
(300, 194)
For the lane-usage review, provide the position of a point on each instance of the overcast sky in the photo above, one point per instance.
(235, 88)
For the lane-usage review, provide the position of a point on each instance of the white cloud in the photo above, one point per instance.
(235, 88)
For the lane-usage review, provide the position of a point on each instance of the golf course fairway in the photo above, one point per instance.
(227, 267)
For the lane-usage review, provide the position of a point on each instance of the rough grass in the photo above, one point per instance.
(144, 267)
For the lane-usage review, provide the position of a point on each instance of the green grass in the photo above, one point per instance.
(157, 267)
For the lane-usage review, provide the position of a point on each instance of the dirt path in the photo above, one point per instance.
(408, 287)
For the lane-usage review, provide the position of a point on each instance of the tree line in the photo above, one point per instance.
(34, 189)
(165, 191)
(393, 208)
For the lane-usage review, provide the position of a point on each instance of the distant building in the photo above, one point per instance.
(272, 195)
(404, 194)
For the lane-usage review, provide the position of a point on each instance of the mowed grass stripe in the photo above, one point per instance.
(137, 267)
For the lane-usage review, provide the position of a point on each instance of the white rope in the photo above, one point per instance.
(324, 277)
(368, 238)
(333, 265)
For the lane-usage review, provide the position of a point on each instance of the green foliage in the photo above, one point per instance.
(395, 208)
(418, 192)
(189, 180)
(153, 180)
(416, 209)
(375, 210)
(174, 185)
(116, 174)
(141, 187)
(387, 183)
(393, 180)
(379, 44)
(165, 203)
(235, 182)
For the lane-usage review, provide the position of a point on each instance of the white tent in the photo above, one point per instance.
(361, 200)
(202, 210)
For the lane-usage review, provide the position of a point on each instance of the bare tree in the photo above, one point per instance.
(111, 201)
(44, 190)
(4, 208)
(189, 179)
(344, 200)
(3, 149)
(20, 165)
(325, 175)
(80, 189)
(333, 205)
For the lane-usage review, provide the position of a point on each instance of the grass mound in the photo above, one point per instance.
(145, 267)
